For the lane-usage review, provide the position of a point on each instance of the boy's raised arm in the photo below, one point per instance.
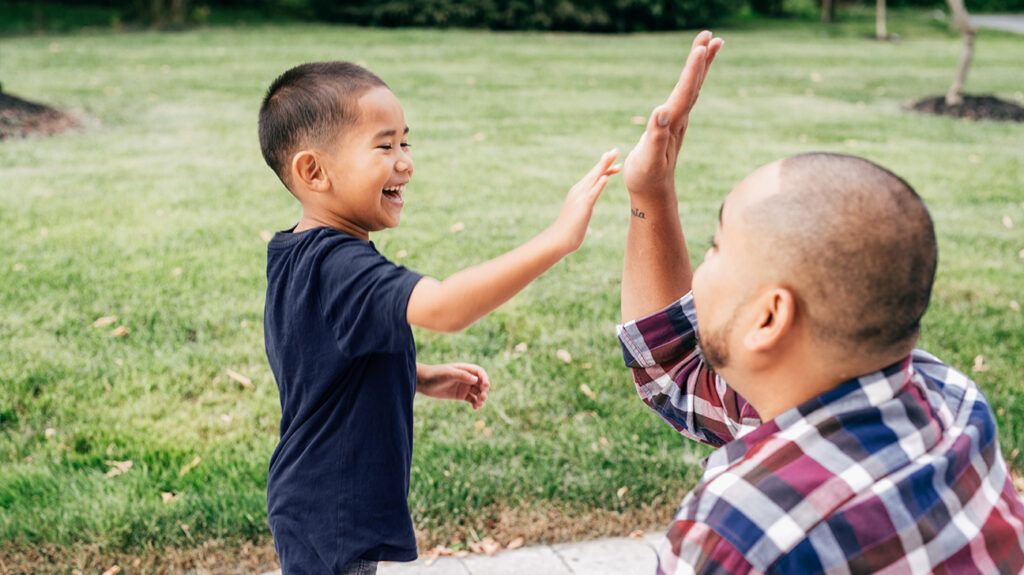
(458, 301)
(656, 269)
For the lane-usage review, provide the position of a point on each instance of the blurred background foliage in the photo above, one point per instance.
(20, 17)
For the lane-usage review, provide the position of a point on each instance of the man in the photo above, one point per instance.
(842, 448)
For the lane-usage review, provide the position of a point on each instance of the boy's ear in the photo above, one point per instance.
(308, 171)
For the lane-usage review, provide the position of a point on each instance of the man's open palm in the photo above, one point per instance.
(650, 167)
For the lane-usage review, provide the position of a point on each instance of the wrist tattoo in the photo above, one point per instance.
(638, 214)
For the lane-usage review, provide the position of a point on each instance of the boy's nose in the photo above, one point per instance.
(404, 165)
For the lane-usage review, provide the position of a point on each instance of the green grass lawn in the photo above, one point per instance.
(154, 214)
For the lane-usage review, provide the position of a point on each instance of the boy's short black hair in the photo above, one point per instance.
(309, 103)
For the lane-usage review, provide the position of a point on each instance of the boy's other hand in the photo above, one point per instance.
(651, 165)
(459, 381)
(571, 226)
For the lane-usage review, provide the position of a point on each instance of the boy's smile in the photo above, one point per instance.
(368, 167)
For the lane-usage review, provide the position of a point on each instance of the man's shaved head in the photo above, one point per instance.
(855, 243)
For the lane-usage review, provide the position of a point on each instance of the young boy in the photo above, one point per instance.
(338, 316)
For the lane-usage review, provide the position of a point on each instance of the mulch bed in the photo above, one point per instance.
(21, 118)
(973, 108)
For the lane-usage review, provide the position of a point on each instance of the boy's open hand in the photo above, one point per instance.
(458, 381)
(571, 226)
(650, 167)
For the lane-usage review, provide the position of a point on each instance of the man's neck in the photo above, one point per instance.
(792, 381)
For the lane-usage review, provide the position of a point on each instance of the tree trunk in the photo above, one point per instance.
(962, 21)
(880, 31)
(828, 11)
(177, 12)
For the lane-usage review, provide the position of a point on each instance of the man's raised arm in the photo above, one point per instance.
(657, 268)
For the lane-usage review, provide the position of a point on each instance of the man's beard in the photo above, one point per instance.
(714, 344)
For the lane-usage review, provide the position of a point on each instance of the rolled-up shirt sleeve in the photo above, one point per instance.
(673, 379)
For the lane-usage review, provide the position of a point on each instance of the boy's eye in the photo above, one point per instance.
(406, 145)
(384, 147)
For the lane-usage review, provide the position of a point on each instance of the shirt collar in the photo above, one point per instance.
(864, 392)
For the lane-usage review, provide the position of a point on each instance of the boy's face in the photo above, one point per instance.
(370, 164)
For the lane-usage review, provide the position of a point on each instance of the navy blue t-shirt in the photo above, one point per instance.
(343, 355)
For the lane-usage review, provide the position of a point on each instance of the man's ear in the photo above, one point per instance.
(308, 172)
(776, 313)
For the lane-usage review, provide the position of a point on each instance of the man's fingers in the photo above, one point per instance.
(701, 39)
(713, 47)
(681, 99)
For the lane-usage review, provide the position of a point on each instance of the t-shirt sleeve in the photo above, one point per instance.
(363, 297)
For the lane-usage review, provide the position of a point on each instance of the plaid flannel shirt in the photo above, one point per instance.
(898, 471)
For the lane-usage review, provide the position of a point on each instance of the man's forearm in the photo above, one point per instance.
(656, 270)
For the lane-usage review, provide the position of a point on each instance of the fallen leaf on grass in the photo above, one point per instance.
(479, 137)
(490, 546)
(186, 530)
(189, 466)
(816, 77)
(1008, 222)
(457, 227)
(20, 267)
(241, 379)
(401, 254)
(113, 570)
(168, 497)
(585, 389)
(1015, 306)
(979, 364)
(120, 331)
(638, 120)
(104, 321)
(438, 551)
(176, 272)
(622, 492)
(521, 347)
(118, 467)
(564, 355)
(487, 546)
(226, 418)
(266, 236)
(515, 543)
(50, 432)
(480, 425)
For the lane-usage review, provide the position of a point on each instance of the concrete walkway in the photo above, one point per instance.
(615, 556)
(1005, 22)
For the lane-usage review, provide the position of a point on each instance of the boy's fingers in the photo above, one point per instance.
(478, 371)
(595, 191)
(467, 376)
(602, 165)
